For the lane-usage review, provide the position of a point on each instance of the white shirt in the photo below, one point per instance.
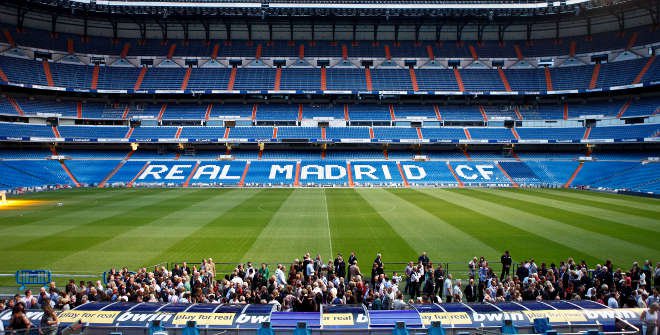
(281, 278)
(447, 287)
(612, 303)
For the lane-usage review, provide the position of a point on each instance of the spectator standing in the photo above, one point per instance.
(448, 289)
(352, 259)
(471, 291)
(49, 321)
(506, 265)
(439, 277)
(340, 266)
(424, 259)
(19, 322)
(651, 320)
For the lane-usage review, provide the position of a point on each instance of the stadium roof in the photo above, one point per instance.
(330, 7)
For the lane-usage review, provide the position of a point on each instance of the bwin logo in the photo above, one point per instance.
(253, 319)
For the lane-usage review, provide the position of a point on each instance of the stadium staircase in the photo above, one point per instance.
(574, 175)
(645, 69)
(116, 169)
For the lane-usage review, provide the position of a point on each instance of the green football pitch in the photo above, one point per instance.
(91, 230)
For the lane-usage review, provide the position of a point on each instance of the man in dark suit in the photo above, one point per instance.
(352, 259)
(506, 265)
(424, 259)
(471, 291)
(340, 266)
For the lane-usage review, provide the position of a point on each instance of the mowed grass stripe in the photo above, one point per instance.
(498, 234)
(356, 226)
(423, 230)
(229, 236)
(568, 204)
(152, 238)
(70, 199)
(598, 246)
(644, 203)
(67, 222)
(303, 216)
(588, 201)
(69, 241)
(599, 225)
(87, 235)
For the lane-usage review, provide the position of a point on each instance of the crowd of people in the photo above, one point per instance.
(307, 283)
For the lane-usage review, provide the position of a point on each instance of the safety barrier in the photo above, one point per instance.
(33, 277)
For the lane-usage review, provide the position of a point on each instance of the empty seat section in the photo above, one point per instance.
(391, 79)
(437, 173)
(323, 112)
(237, 48)
(625, 132)
(369, 112)
(259, 173)
(20, 70)
(6, 107)
(376, 173)
(94, 110)
(500, 112)
(542, 112)
(491, 134)
(313, 172)
(184, 112)
(92, 131)
(550, 133)
(443, 133)
(299, 132)
(70, 75)
(277, 112)
(619, 73)
(436, 80)
(526, 79)
(91, 173)
(323, 49)
(25, 130)
(209, 78)
(163, 78)
(460, 113)
(33, 107)
(257, 133)
(520, 173)
(290, 155)
(346, 79)
(553, 173)
(117, 78)
(150, 111)
(280, 49)
(414, 112)
(571, 77)
(232, 111)
(481, 80)
(597, 174)
(30, 173)
(353, 155)
(400, 49)
(147, 133)
(127, 172)
(24, 154)
(395, 133)
(204, 133)
(300, 79)
(643, 107)
(347, 133)
(254, 79)
(605, 108)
